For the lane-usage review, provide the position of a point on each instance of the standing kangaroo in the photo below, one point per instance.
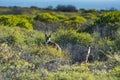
(50, 43)
(85, 55)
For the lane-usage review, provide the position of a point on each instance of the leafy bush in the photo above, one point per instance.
(107, 24)
(46, 17)
(109, 18)
(62, 17)
(116, 71)
(72, 37)
(18, 36)
(75, 22)
(13, 21)
(102, 46)
(78, 19)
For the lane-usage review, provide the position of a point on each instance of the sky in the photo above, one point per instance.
(87, 4)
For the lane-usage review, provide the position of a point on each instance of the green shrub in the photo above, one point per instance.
(107, 44)
(71, 36)
(75, 22)
(63, 17)
(107, 18)
(46, 17)
(11, 35)
(78, 19)
(116, 71)
(102, 46)
(107, 24)
(13, 21)
(19, 36)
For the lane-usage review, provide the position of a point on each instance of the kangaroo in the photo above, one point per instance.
(85, 55)
(50, 43)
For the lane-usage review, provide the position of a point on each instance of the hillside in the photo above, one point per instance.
(25, 56)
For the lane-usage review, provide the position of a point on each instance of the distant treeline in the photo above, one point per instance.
(64, 8)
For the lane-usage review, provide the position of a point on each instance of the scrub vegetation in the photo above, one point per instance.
(25, 56)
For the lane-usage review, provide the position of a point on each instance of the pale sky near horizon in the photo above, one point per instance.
(87, 4)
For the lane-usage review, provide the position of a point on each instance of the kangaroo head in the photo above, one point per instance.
(88, 48)
(47, 38)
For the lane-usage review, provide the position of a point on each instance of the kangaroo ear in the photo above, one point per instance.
(45, 35)
(50, 35)
(88, 46)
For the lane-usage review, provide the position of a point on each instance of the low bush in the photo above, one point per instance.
(71, 36)
(75, 22)
(12, 21)
(46, 17)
